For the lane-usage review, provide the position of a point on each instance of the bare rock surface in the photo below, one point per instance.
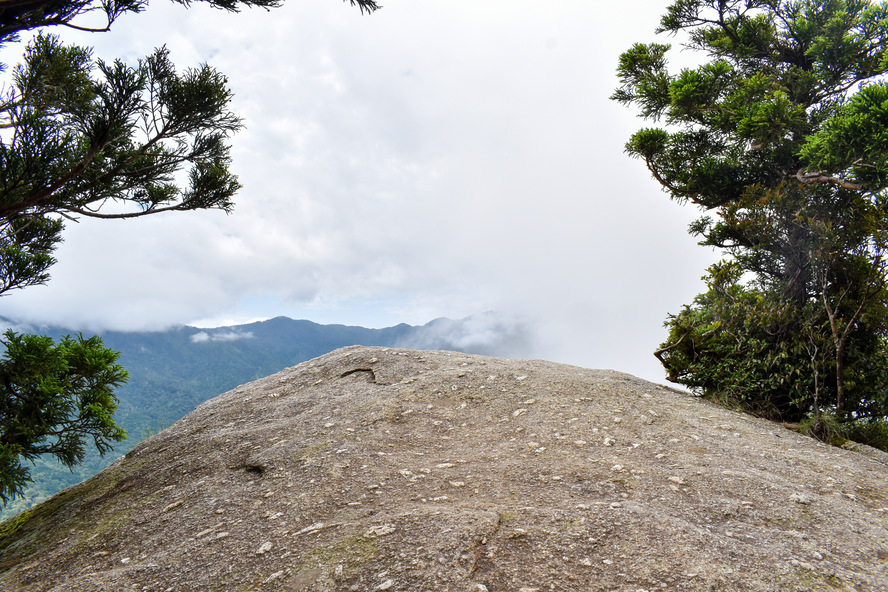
(383, 469)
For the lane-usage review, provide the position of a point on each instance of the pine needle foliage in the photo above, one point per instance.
(53, 398)
(779, 138)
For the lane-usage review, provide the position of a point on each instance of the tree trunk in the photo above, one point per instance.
(840, 374)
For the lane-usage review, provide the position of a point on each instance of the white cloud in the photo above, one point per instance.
(489, 333)
(200, 337)
(433, 159)
(224, 336)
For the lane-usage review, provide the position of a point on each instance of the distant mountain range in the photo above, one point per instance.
(173, 371)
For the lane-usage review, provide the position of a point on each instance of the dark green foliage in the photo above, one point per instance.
(739, 345)
(826, 428)
(872, 433)
(855, 140)
(25, 251)
(832, 430)
(21, 15)
(53, 397)
(88, 133)
(780, 137)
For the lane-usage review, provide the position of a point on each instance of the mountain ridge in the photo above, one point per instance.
(174, 370)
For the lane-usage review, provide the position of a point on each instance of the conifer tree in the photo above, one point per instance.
(53, 398)
(779, 136)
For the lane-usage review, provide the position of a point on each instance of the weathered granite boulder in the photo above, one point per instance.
(401, 470)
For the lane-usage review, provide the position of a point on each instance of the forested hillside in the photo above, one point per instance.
(173, 371)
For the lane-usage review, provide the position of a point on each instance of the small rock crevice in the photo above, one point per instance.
(368, 374)
(253, 468)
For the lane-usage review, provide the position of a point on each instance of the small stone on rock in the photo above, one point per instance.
(800, 498)
(264, 548)
(380, 530)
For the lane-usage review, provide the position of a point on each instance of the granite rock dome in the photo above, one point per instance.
(386, 469)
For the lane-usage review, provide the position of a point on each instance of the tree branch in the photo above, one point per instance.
(45, 195)
(820, 177)
(659, 353)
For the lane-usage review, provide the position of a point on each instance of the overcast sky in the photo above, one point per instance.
(436, 158)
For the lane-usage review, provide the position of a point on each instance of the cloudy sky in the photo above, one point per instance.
(436, 158)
